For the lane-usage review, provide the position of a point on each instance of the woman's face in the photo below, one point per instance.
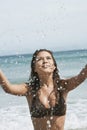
(44, 63)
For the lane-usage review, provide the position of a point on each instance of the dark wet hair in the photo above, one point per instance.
(34, 80)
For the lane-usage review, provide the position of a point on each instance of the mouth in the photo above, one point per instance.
(46, 66)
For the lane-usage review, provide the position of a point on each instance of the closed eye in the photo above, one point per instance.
(48, 57)
(38, 58)
(42, 58)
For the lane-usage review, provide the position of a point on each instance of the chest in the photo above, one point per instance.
(48, 97)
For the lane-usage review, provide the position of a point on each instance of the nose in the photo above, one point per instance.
(44, 60)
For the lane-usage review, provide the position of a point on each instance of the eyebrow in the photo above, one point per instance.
(43, 56)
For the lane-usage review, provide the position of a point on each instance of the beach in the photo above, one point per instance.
(14, 111)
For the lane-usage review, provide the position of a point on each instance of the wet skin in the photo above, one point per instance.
(44, 66)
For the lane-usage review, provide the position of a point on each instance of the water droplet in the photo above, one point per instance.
(57, 81)
(51, 118)
(49, 125)
(65, 83)
(83, 73)
(58, 88)
(48, 122)
(61, 87)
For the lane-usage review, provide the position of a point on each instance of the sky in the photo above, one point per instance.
(27, 25)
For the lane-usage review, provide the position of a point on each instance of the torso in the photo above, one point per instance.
(55, 122)
(42, 101)
(49, 123)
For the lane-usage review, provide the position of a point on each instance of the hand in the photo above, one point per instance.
(86, 66)
(85, 70)
(0, 77)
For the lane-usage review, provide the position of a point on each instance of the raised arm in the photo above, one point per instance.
(75, 81)
(15, 89)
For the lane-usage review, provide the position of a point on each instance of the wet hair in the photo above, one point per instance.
(34, 80)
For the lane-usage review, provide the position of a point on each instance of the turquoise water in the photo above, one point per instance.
(14, 112)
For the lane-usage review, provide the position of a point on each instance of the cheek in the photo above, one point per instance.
(37, 66)
(53, 66)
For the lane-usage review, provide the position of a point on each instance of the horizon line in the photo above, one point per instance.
(20, 54)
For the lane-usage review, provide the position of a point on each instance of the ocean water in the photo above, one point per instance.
(14, 111)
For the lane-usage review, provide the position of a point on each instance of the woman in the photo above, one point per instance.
(46, 92)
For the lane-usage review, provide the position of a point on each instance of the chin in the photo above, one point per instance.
(47, 72)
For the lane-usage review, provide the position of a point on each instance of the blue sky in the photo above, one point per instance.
(27, 25)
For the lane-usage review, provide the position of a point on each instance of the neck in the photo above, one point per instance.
(46, 80)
